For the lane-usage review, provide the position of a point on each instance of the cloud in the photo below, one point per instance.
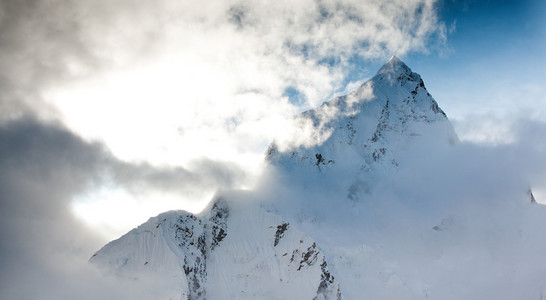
(45, 168)
(492, 172)
(213, 77)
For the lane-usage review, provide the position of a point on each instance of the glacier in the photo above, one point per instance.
(383, 206)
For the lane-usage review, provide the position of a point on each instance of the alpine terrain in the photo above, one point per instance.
(381, 206)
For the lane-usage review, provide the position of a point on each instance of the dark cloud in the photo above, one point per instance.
(35, 41)
(43, 166)
(40, 170)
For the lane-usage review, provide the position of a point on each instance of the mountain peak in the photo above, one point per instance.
(372, 125)
(394, 58)
(394, 65)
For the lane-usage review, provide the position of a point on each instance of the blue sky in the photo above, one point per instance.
(494, 60)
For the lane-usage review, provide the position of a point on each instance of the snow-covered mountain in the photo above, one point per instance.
(380, 208)
(372, 124)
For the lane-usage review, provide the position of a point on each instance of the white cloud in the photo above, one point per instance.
(172, 81)
(487, 129)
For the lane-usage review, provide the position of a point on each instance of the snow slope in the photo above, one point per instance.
(227, 252)
(389, 205)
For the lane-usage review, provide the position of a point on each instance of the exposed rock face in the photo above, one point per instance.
(280, 233)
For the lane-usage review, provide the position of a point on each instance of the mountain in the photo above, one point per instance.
(383, 205)
(372, 124)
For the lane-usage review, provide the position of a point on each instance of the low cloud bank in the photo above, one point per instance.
(447, 216)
